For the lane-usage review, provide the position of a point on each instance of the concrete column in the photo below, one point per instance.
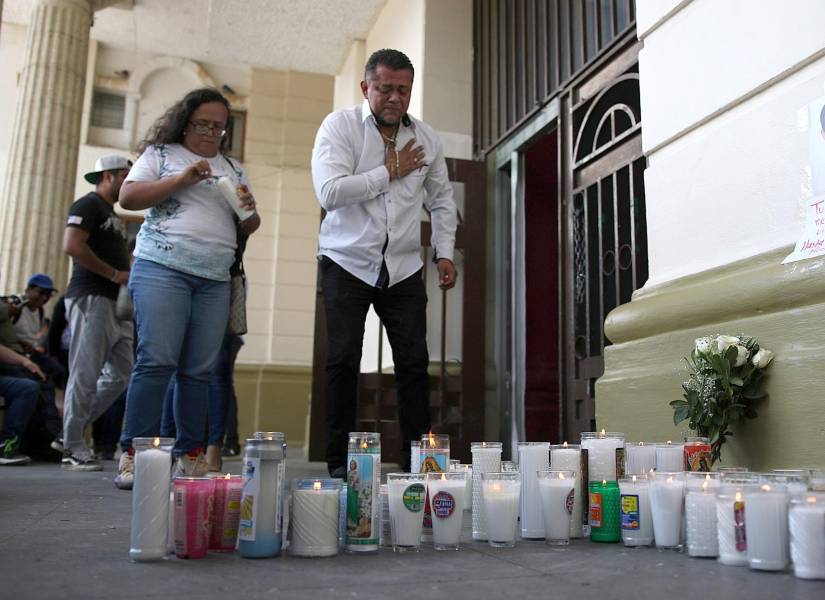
(40, 177)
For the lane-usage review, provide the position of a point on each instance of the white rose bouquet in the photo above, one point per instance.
(725, 379)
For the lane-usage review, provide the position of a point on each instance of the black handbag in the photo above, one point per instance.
(236, 325)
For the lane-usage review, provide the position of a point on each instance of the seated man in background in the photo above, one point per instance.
(20, 395)
(29, 320)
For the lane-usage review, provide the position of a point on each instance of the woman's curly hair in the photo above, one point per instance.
(169, 128)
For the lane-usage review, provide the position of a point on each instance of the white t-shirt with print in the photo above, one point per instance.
(194, 230)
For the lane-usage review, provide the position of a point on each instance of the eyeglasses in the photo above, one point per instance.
(205, 129)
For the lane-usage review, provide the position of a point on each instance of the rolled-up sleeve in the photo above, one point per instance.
(333, 163)
(441, 204)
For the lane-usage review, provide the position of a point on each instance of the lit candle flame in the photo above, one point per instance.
(228, 476)
(443, 477)
(811, 499)
(156, 442)
(604, 482)
(641, 443)
(561, 476)
(316, 485)
(634, 479)
(670, 479)
(565, 444)
(669, 442)
(766, 488)
(496, 487)
(705, 484)
(602, 433)
(431, 439)
(738, 497)
(364, 444)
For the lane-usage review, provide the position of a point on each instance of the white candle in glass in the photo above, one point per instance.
(670, 457)
(532, 458)
(806, 521)
(567, 457)
(700, 514)
(407, 494)
(601, 454)
(415, 456)
(666, 504)
(150, 499)
(557, 494)
(730, 518)
(637, 523)
(446, 491)
(640, 458)
(468, 491)
(501, 504)
(315, 518)
(766, 518)
(486, 459)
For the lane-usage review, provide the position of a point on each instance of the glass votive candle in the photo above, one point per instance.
(315, 505)
(766, 519)
(415, 456)
(666, 507)
(226, 512)
(805, 522)
(697, 454)
(605, 508)
(454, 464)
(700, 514)
(193, 506)
(508, 466)
(501, 492)
(605, 455)
(637, 523)
(796, 481)
(407, 494)
(730, 518)
(532, 458)
(670, 457)
(446, 492)
(385, 539)
(731, 470)
(486, 459)
(149, 535)
(557, 493)
(817, 482)
(640, 458)
(468, 492)
(568, 457)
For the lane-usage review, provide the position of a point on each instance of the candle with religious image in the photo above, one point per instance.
(363, 480)
(435, 458)
(697, 453)
(446, 492)
(730, 518)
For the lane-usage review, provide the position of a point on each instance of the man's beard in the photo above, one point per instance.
(384, 123)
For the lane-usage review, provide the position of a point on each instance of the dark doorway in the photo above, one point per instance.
(542, 418)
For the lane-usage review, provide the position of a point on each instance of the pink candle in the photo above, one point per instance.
(226, 513)
(193, 503)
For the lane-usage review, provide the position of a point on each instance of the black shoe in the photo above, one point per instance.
(9, 454)
(105, 454)
(338, 472)
(230, 452)
(79, 461)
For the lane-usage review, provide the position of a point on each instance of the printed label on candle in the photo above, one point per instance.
(739, 526)
(595, 509)
(698, 457)
(619, 463)
(630, 512)
(362, 508)
(249, 508)
(443, 505)
(585, 468)
(413, 497)
(568, 504)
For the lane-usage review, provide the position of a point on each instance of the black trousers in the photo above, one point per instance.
(402, 309)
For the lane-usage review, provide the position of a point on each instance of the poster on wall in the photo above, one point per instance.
(812, 241)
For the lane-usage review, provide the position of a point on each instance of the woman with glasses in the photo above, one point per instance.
(180, 278)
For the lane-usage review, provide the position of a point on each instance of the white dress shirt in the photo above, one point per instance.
(365, 209)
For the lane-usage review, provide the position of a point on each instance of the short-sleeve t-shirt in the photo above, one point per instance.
(107, 239)
(194, 230)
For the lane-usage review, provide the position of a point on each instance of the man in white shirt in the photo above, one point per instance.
(374, 167)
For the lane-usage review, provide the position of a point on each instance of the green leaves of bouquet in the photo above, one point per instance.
(725, 380)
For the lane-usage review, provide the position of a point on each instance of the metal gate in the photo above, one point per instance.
(606, 239)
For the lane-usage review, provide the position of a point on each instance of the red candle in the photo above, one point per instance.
(226, 513)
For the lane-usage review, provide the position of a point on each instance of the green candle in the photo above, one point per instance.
(605, 518)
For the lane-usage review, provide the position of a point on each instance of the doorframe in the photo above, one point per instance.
(506, 168)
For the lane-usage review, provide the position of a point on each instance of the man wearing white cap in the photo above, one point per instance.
(101, 353)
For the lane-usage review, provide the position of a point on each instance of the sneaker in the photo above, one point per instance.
(79, 461)
(57, 444)
(126, 471)
(191, 464)
(9, 454)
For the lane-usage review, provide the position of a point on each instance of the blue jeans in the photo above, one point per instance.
(180, 322)
(21, 401)
(221, 389)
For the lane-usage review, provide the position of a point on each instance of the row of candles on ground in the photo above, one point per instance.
(543, 499)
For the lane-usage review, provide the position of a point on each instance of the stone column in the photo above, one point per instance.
(40, 176)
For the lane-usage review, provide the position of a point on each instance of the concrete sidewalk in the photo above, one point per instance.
(66, 535)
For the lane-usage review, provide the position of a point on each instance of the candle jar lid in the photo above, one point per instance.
(369, 441)
(317, 484)
(451, 476)
(666, 475)
(816, 499)
(269, 435)
(766, 485)
(732, 469)
(482, 445)
(153, 443)
(528, 444)
(729, 486)
(265, 449)
(598, 435)
(565, 446)
(786, 478)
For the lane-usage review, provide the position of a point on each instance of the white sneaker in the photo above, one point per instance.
(191, 466)
(125, 472)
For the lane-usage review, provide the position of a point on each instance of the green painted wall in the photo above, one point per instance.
(781, 305)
